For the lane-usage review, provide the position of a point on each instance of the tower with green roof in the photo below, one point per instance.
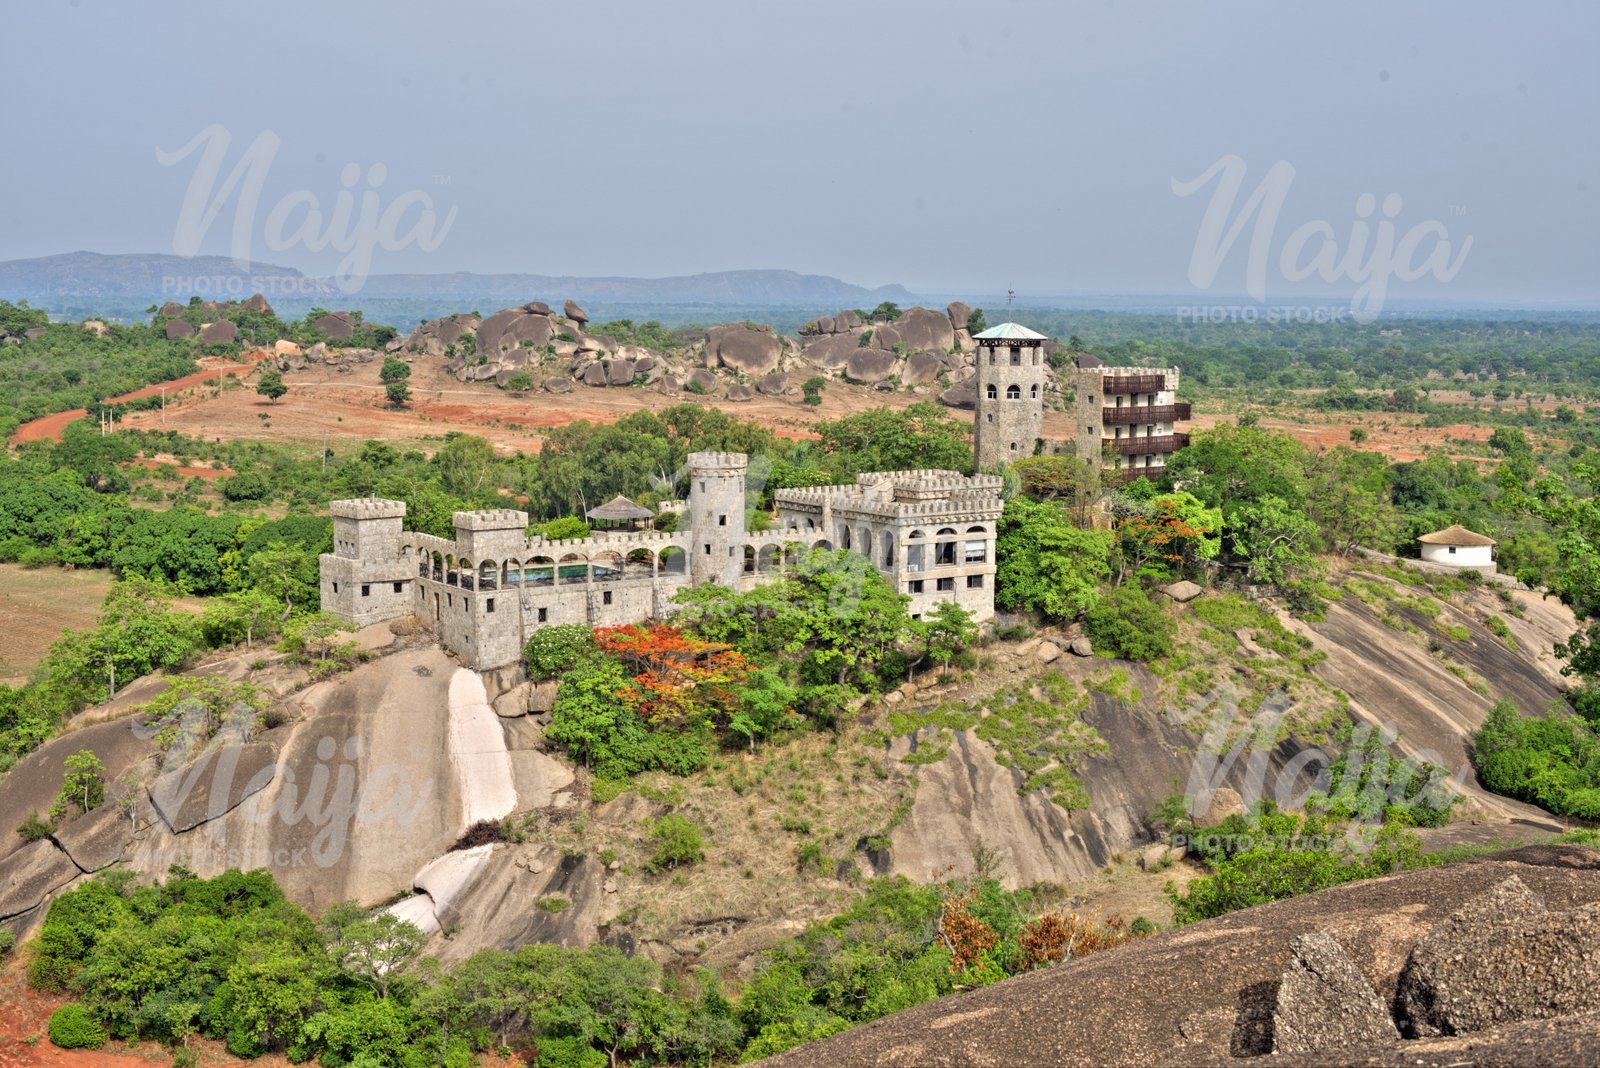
(1009, 413)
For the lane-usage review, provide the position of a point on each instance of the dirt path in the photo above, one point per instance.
(50, 426)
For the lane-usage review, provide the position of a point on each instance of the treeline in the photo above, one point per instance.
(232, 959)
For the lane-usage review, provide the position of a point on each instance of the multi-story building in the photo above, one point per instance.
(1126, 417)
(483, 592)
(1008, 416)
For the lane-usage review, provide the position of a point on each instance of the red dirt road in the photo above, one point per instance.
(50, 426)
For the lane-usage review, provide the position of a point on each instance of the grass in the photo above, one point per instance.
(38, 604)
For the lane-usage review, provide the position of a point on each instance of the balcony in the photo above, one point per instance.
(1129, 474)
(1145, 413)
(1134, 384)
(1164, 443)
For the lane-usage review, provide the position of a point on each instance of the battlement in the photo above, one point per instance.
(718, 461)
(368, 508)
(496, 519)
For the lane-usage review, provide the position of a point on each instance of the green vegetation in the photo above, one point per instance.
(1128, 624)
(73, 1026)
(1552, 761)
(678, 842)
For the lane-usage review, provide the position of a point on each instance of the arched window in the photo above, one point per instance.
(1033, 391)
(991, 392)
(1013, 392)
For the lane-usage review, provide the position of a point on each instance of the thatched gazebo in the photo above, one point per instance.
(620, 510)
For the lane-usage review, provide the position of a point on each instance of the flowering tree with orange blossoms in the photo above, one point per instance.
(677, 681)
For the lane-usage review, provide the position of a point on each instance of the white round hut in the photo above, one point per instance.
(1456, 546)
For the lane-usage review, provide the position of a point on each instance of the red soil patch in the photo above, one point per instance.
(1400, 442)
(50, 426)
(187, 471)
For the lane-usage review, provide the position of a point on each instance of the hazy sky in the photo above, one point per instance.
(947, 146)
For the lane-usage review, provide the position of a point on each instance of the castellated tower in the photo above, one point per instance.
(716, 517)
(1009, 413)
(365, 580)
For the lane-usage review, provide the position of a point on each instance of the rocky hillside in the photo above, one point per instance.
(369, 781)
(1491, 961)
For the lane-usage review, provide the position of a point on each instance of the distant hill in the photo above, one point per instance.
(126, 284)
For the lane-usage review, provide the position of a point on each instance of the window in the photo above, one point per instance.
(988, 417)
(1013, 446)
(702, 485)
(974, 582)
(708, 549)
(544, 615)
(335, 587)
(366, 591)
(947, 585)
(1016, 356)
(976, 551)
(916, 586)
(449, 600)
(488, 605)
(1091, 400)
(1033, 391)
(991, 392)
(722, 520)
(1452, 550)
(399, 587)
(991, 357)
(605, 598)
(1013, 392)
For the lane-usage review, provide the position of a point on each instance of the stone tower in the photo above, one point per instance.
(716, 517)
(1009, 414)
(366, 579)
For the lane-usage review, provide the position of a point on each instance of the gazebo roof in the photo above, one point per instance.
(1009, 332)
(619, 507)
(1456, 534)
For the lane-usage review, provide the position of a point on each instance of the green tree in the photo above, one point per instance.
(946, 631)
(270, 384)
(83, 787)
(398, 394)
(888, 310)
(1274, 540)
(976, 323)
(1047, 562)
(466, 466)
(678, 842)
(375, 949)
(1128, 624)
(393, 370)
(882, 439)
(286, 573)
(812, 389)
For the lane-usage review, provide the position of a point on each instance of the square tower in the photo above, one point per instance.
(716, 517)
(1008, 415)
(367, 578)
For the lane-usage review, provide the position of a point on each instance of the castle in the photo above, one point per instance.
(930, 534)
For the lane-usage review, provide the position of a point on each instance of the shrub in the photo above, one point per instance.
(8, 940)
(566, 528)
(1126, 623)
(33, 828)
(552, 650)
(72, 1026)
(678, 842)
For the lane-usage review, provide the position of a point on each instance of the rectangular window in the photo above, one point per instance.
(708, 550)
(366, 591)
(544, 615)
(605, 598)
(722, 520)
(399, 587)
(488, 604)
(335, 587)
(947, 585)
(977, 552)
(916, 585)
(974, 582)
(1452, 550)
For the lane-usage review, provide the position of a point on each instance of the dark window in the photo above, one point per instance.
(544, 615)
(708, 550)
(722, 520)
(916, 585)
(605, 598)
(1013, 393)
(488, 604)
(991, 392)
(366, 591)
(974, 582)
(946, 585)
(1452, 550)
(335, 587)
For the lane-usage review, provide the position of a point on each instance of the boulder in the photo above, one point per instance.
(506, 330)
(870, 365)
(885, 336)
(595, 375)
(671, 383)
(258, 303)
(832, 351)
(96, 327)
(774, 385)
(922, 328)
(1182, 592)
(1224, 802)
(338, 326)
(959, 313)
(170, 309)
(847, 320)
(1048, 652)
(96, 839)
(394, 344)
(283, 348)
(318, 352)
(1080, 647)
(1324, 1002)
(35, 332)
(620, 373)
(571, 310)
(542, 696)
(31, 874)
(824, 325)
(537, 307)
(738, 391)
(213, 785)
(557, 384)
(702, 381)
(751, 348)
(963, 394)
(922, 368)
(177, 328)
(1499, 959)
